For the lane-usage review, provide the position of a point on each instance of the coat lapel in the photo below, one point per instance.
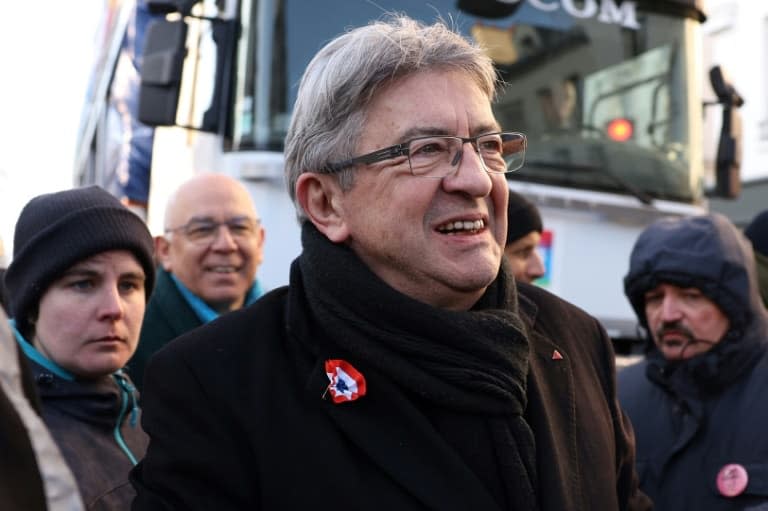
(397, 437)
(551, 413)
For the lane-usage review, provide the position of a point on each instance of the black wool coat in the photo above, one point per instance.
(234, 424)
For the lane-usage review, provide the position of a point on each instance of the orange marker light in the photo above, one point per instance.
(620, 129)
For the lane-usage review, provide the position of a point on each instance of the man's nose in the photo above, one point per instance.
(670, 309)
(223, 238)
(470, 176)
(536, 266)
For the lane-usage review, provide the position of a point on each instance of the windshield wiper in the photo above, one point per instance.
(623, 185)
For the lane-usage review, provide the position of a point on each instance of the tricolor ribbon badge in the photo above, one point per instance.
(346, 382)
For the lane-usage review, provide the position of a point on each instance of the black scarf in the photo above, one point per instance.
(469, 362)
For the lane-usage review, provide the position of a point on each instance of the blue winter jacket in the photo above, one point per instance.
(694, 418)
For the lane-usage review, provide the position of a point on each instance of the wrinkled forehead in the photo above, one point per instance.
(209, 201)
(427, 103)
(698, 297)
(119, 256)
(671, 288)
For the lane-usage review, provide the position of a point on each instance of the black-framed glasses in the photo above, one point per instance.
(204, 230)
(439, 155)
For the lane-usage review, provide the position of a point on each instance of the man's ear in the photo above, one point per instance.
(321, 198)
(162, 252)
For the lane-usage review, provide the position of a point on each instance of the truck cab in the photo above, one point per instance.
(607, 92)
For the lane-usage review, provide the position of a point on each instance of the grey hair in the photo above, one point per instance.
(346, 75)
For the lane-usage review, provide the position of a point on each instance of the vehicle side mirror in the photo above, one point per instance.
(728, 162)
(163, 59)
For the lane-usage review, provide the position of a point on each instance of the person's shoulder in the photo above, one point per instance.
(269, 309)
(633, 373)
(235, 331)
(635, 390)
(542, 305)
(164, 292)
(167, 316)
(557, 322)
(235, 350)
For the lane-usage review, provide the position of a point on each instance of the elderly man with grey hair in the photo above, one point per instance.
(400, 368)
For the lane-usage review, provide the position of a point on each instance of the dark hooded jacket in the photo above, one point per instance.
(83, 417)
(695, 417)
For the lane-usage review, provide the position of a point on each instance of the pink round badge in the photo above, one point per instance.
(732, 480)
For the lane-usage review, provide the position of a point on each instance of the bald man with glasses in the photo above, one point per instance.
(208, 255)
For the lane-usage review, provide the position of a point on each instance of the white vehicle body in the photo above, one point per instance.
(595, 194)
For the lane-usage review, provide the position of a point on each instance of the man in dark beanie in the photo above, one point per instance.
(696, 401)
(81, 275)
(757, 233)
(523, 235)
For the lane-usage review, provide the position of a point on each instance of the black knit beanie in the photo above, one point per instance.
(522, 217)
(757, 232)
(57, 230)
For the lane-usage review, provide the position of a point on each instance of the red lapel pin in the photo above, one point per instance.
(346, 382)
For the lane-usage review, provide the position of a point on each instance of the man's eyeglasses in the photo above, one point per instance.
(204, 230)
(439, 156)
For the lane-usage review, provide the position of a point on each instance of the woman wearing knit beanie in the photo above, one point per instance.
(80, 277)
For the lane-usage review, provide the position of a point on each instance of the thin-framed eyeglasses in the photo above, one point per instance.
(439, 156)
(203, 231)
